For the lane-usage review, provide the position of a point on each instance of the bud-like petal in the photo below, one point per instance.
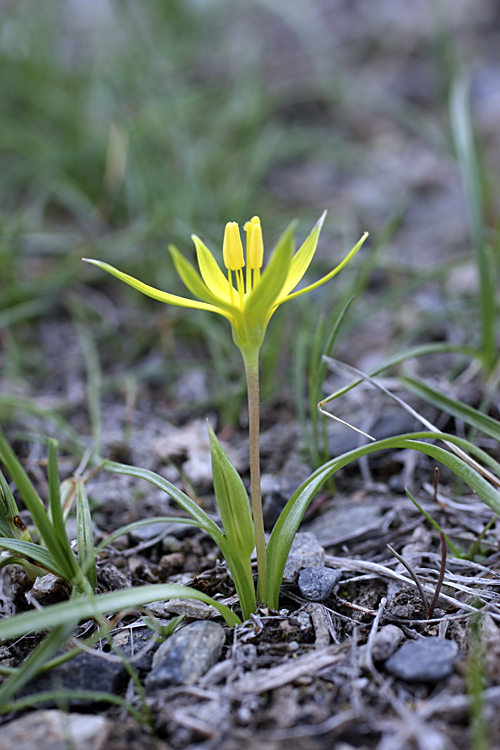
(232, 249)
(255, 244)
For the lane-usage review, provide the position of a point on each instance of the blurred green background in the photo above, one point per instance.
(128, 125)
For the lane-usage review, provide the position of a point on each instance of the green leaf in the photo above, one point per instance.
(290, 518)
(8, 513)
(463, 137)
(234, 509)
(203, 521)
(201, 518)
(59, 547)
(232, 500)
(33, 552)
(35, 661)
(467, 414)
(397, 359)
(85, 537)
(138, 524)
(60, 696)
(86, 607)
(55, 508)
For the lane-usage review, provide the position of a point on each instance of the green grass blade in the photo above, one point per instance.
(85, 537)
(63, 696)
(202, 519)
(434, 523)
(8, 513)
(35, 661)
(59, 547)
(462, 130)
(397, 359)
(288, 523)
(457, 409)
(138, 524)
(232, 500)
(34, 552)
(84, 608)
(55, 508)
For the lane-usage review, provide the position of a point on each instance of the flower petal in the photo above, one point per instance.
(197, 286)
(330, 275)
(210, 271)
(302, 258)
(171, 299)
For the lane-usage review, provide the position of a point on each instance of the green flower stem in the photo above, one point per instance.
(251, 360)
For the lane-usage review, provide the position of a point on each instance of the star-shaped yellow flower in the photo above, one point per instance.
(248, 302)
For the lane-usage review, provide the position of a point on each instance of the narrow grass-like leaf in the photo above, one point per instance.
(232, 500)
(397, 359)
(461, 125)
(37, 554)
(9, 513)
(58, 547)
(37, 658)
(63, 696)
(457, 409)
(234, 509)
(138, 524)
(288, 523)
(86, 607)
(85, 537)
(202, 519)
(318, 372)
(55, 508)
(434, 523)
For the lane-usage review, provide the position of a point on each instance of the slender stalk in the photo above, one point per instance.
(252, 375)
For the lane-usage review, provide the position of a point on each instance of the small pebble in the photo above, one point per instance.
(306, 552)
(425, 660)
(386, 641)
(316, 584)
(184, 657)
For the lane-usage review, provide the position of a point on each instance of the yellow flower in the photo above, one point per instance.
(250, 304)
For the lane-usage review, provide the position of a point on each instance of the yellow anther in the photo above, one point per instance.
(255, 244)
(232, 249)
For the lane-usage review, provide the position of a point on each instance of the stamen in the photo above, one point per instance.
(231, 288)
(232, 249)
(240, 285)
(255, 244)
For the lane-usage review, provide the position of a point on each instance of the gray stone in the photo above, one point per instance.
(137, 645)
(306, 552)
(386, 641)
(345, 522)
(425, 660)
(84, 672)
(56, 730)
(316, 584)
(149, 531)
(184, 657)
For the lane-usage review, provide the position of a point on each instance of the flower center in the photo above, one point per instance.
(232, 251)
